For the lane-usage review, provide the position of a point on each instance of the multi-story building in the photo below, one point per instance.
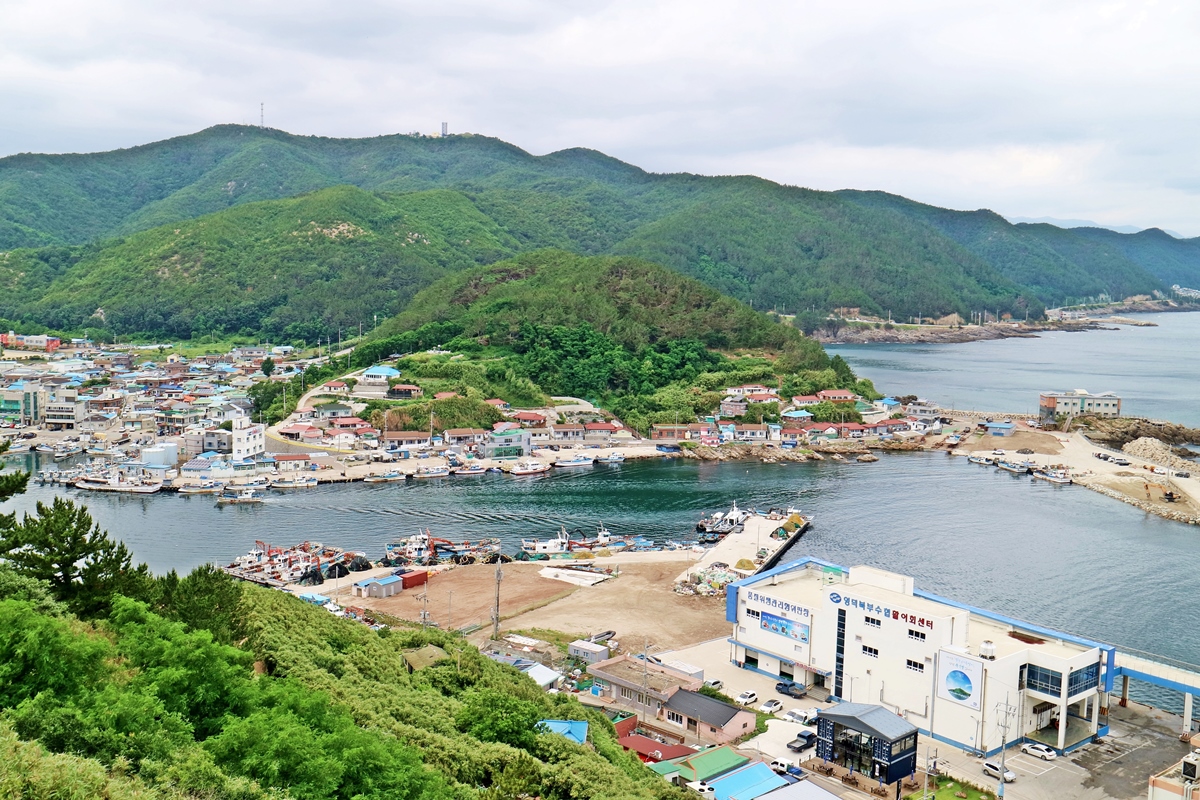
(64, 410)
(959, 674)
(1052, 405)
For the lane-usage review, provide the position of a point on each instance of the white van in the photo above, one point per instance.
(993, 770)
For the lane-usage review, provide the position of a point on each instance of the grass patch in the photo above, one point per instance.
(556, 638)
(952, 789)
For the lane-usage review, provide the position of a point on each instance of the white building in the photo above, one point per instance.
(249, 439)
(1071, 404)
(868, 636)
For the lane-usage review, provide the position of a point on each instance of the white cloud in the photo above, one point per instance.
(1069, 109)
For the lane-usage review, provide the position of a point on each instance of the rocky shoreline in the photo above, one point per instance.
(932, 334)
(769, 454)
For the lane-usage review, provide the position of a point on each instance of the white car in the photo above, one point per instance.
(771, 707)
(746, 698)
(795, 715)
(1042, 751)
(715, 683)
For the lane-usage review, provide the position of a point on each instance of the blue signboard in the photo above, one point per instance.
(796, 631)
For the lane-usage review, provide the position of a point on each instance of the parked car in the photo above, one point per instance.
(1043, 751)
(1183, 474)
(780, 766)
(771, 707)
(993, 770)
(746, 698)
(802, 742)
(715, 683)
(791, 689)
(795, 715)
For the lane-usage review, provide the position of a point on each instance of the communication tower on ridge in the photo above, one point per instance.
(262, 114)
(445, 129)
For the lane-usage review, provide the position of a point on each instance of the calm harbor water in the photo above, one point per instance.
(1057, 555)
(1154, 370)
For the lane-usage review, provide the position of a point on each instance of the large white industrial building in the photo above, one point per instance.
(959, 674)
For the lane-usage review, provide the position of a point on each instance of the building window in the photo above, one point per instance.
(750, 612)
(1083, 679)
(1044, 680)
(915, 666)
(675, 717)
(916, 636)
(872, 622)
(873, 652)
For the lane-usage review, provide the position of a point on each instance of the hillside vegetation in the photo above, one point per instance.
(773, 246)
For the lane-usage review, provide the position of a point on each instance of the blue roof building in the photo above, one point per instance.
(748, 783)
(384, 586)
(573, 729)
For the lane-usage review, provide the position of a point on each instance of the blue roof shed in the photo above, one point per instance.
(573, 729)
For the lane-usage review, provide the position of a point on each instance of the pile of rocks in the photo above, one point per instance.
(1157, 452)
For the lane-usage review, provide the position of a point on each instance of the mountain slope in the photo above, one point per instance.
(294, 268)
(634, 302)
(775, 246)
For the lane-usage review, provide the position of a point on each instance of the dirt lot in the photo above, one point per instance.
(1148, 489)
(474, 594)
(637, 605)
(1040, 442)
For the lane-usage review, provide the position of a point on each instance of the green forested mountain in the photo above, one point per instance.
(72, 226)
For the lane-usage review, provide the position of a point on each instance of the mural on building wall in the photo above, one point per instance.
(959, 679)
(785, 627)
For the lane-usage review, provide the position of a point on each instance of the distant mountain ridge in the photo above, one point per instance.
(105, 232)
(1087, 223)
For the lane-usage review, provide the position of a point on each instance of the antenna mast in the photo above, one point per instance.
(445, 129)
(261, 114)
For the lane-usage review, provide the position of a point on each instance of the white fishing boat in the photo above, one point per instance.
(116, 482)
(467, 470)
(529, 467)
(63, 453)
(575, 461)
(44, 448)
(726, 522)
(297, 482)
(245, 496)
(204, 487)
(548, 547)
(388, 477)
(1059, 475)
(432, 472)
(611, 458)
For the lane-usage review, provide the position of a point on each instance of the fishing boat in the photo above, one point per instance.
(297, 482)
(723, 523)
(18, 450)
(468, 470)
(548, 547)
(1058, 475)
(425, 549)
(529, 467)
(44, 448)
(987, 460)
(115, 482)
(242, 497)
(431, 472)
(390, 476)
(1017, 468)
(575, 461)
(204, 487)
(602, 540)
(611, 458)
(63, 453)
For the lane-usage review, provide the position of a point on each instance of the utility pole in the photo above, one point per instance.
(925, 795)
(449, 608)
(1003, 711)
(425, 607)
(496, 612)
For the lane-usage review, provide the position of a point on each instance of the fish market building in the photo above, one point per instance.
(957, 673)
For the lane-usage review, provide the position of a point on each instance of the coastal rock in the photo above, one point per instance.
(867, 458)
(1157, 452)
(1123, 430)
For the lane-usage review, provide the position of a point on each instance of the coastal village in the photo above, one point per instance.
(724, 662)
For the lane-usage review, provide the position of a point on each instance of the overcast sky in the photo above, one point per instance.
(1078, 110)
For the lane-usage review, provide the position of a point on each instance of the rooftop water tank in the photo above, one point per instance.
(987, 650)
